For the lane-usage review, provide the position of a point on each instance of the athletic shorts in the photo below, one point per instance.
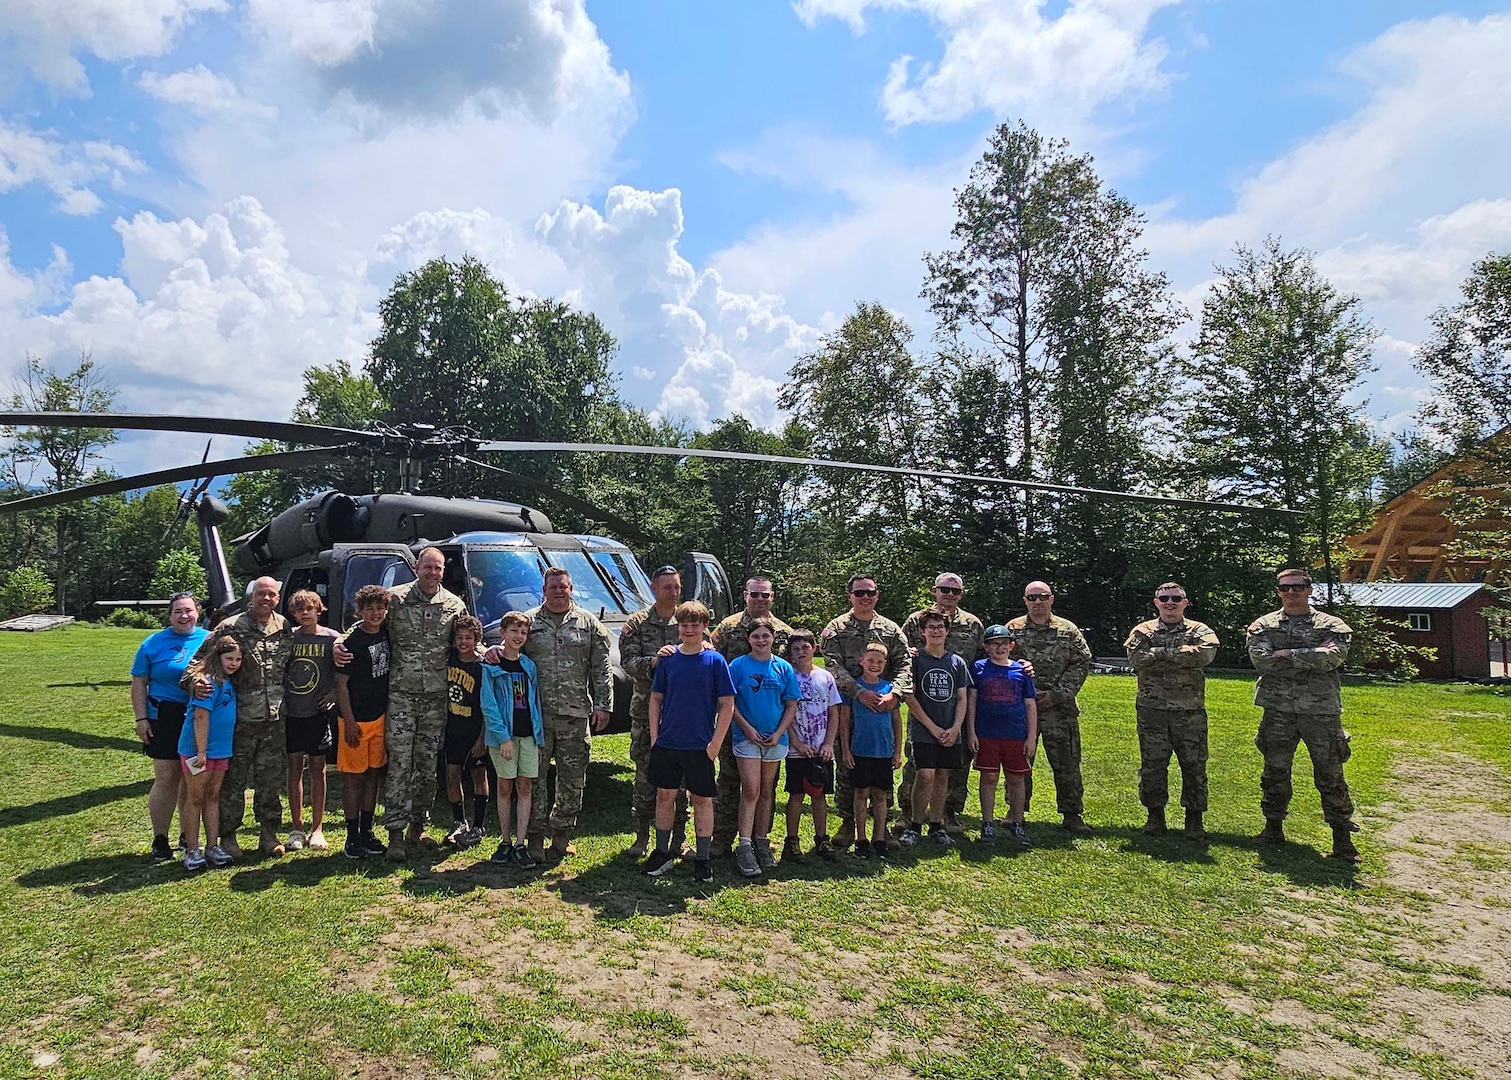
(1006, 754)
(928, 755)
(166, 730)
(524, 764)
(371, 751)
(872, 772)
(669, 770)
(461, 737)
(212, 764)
(747, 749)
(810, 776)
(310, 734)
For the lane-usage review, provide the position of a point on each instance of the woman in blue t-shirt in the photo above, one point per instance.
(204, 748)
(159, 705)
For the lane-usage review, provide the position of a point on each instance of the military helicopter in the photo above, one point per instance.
(496, 552)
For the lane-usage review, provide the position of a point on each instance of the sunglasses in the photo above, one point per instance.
(760, 595)
(1295, 587)
(1174, 598)
(1038, 597)
(864, 592)
(949, 590)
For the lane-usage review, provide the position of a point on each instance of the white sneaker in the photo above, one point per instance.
(216, 856)
(194, 859)
(316, 841)
(296, 840)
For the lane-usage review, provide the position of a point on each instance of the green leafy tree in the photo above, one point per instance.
(1468, 357)
(24, 590)
(177, 571)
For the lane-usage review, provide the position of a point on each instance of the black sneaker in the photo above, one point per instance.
(373, 846)
(824, 849)
(862, 849)
(503, 855)
(162, 851)
(354, 848)
(659, 862)
(522, 857)
(703, 870)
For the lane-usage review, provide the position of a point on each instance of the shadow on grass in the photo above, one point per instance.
(104, 875)
(72, 804)
(93, 685)
(260, 873)
(1302, 864)
(79, 740)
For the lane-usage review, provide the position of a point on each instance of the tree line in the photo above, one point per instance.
(1056, 357)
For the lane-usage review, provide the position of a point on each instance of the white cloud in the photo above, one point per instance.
(43, 35)
(66, 169)
(1007, 57)
(204, 93)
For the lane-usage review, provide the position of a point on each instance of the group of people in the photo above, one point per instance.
(715, 711)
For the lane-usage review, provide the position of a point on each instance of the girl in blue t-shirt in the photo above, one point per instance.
(204, 748)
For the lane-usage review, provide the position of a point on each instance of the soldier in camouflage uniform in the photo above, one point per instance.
(570, 649)
(1169, 655)
(258, 753)
(842, 642)
(648, 635)
(964, 640)
(1061, 660)
(732, 638)
(420, 615)
(1297, 652)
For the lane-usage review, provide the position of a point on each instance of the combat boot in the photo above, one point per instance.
(1076, 827)
(846, 835)
(397, 852)
(642, 841)
(1155, 826)
(229, 845)
(1193, 829)
(536, 848)
(269, 844)
(1273, 832)
(561, 844)
(1343, 845)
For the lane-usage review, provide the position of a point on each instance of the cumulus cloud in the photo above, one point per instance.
(204, 93)
(1006, 56)
(44, 35)
(66, 169)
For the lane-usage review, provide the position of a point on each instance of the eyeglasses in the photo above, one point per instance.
(760, 595)
(184, 595)
(1174, 598)
(1038, 597)
(949, 590)
(667, 569)
(1297, 586)
(864, 592)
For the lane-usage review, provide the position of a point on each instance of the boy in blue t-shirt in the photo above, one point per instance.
(1002, 727)
(872, 748)
(766, 701)
(692, 700)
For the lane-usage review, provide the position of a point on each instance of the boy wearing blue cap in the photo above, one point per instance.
(1002, 727)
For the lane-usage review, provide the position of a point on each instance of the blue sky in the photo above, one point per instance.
(209, 196)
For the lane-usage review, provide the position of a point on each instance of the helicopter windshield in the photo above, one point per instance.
(624, 572)
(504, 580)
(588, 589)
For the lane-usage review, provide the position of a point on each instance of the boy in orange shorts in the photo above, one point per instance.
(362, 696)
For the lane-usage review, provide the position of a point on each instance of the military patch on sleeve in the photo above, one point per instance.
(1254, 627)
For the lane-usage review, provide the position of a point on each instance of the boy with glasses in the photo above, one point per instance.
(1169, 654)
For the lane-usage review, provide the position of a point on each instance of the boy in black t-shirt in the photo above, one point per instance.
(362, 697)
(464, 731)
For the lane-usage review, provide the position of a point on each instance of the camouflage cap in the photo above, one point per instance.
(998, 632)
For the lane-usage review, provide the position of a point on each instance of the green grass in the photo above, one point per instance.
(1117, 956)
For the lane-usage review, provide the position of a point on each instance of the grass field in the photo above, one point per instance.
(1114, 956)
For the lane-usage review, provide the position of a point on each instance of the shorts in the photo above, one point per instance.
(212, 764)
(166, 730)
(461, 737)
(1006, 754)
(930, 755)
(310, 734)
(747, 749)
(810, 776)
(872, 772)
(525, 764)
(670, 769)
(371, 751)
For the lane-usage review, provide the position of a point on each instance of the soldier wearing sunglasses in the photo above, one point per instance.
(1169, 654)
(1298, 653)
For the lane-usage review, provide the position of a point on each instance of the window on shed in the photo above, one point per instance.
(1419, 620)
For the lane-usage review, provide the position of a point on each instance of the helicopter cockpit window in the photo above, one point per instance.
(385, 570)
(621, 568)
(504, 580)
(588, 589)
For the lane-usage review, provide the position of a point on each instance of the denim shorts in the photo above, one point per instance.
(746, 749)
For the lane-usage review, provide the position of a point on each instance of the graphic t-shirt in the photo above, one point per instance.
(464, 692)
(162, 660)
(367, 674)
(936, 680)
(762, 690)
(518, 715)
(812, 721)
(691, 687)
(871, 732)
(221, 705)
(310, 675)
(1001, 691)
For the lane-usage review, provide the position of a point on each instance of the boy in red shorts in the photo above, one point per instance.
(1002, 728)
(362, 696)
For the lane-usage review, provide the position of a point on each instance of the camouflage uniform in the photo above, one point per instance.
(964, 640)
(258, 752)
(571, 654)
(419, 631)
(842, 642)
(732, 638)
(1302, 702)
(1171, 708)
(1061, 660)
(644, 634)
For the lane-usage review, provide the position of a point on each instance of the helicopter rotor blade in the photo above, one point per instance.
(624, 528)
(893, 470)
(307, 434)
(250, 463)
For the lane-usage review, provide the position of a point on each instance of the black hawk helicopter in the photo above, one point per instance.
(496, 552)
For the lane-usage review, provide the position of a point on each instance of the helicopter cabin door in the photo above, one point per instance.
(355, 565)
(703, 578)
